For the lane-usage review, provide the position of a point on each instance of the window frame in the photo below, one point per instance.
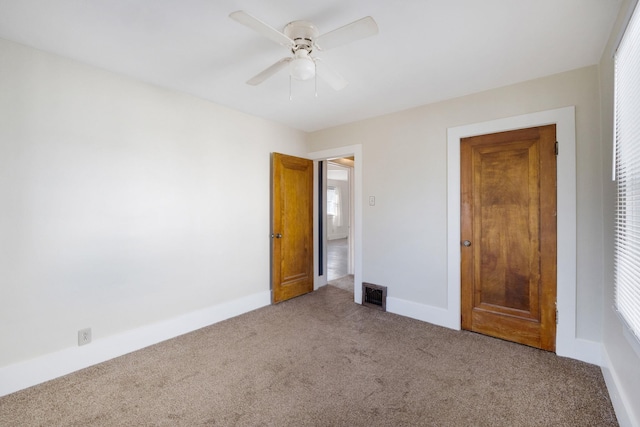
(626, 169)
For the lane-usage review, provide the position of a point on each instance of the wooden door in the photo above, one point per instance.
(508, 235)
(292, 227)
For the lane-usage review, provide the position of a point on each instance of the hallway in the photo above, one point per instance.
(337, 264)
(337, 253)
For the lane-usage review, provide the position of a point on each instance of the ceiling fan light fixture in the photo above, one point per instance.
(302, 66)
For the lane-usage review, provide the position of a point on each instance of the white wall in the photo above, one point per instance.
(622, 364)
(123, 204)
(404, 167)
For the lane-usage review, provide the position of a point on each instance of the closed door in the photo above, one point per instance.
(292, 227)
(508, 235)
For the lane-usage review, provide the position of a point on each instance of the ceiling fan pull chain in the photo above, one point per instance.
(290, 95)
(315, 79)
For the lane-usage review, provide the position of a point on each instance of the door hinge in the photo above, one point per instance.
(556, 148)
(556, 316)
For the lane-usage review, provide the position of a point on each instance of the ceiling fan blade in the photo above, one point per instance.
(357, 30)
(260, 27)
(270, 71)
(335, 80)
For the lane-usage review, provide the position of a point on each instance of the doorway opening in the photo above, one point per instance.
(321, 159)
(338, 217)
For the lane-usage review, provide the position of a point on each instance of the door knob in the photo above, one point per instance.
(467, 243)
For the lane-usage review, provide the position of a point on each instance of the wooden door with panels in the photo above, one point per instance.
(508, 235)
(292, 227)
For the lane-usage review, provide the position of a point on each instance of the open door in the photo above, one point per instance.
(292, 227)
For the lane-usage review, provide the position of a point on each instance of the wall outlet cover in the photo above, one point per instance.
(84, 336)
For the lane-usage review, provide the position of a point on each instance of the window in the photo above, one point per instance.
(333, 201)
(627, 174)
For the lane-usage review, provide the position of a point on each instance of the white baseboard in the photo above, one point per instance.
(571, 347)
(28, 373)
(426, 313)
(580, 349)
(621, 402)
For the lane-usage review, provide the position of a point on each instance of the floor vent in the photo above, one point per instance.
(374, 296)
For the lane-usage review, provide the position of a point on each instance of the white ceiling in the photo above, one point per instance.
(426, 51)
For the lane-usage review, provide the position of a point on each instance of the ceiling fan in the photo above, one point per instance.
(302, 38)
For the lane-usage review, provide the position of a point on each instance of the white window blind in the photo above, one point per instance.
(627, 171)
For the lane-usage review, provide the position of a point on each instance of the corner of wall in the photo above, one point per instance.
(426, 313)
(581, 349)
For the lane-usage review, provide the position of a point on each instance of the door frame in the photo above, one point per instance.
(567, 342)
(356, 226)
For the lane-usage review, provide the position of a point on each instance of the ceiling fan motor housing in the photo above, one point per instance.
(303, 33)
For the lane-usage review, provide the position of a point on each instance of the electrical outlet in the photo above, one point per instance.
(84, 336)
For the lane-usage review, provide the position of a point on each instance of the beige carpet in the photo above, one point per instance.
(321, 360)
